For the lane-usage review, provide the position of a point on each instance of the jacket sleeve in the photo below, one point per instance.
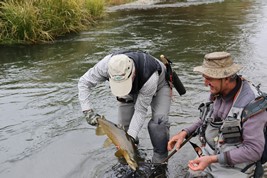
(94, 76)
(143, 101)
(253, 141)
(189, 130)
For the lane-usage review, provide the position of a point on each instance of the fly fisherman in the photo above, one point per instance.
(229, 144)
(138, 81)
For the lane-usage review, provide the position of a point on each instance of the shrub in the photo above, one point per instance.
(95, 7)
(33, 21)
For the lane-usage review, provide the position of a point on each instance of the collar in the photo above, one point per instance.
(231, 95)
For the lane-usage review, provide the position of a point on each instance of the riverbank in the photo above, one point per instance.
(42, 21)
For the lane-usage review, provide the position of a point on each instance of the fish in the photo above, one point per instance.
(119, 137)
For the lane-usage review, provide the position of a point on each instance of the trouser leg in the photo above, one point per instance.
(159, 135)
(125, 112)
(158, 126)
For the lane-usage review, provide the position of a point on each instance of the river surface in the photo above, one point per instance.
(42, 130)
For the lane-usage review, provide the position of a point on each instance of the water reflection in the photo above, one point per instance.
(41, 120)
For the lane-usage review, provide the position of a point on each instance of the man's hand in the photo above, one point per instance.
(199, 164)
(176, 140)
(91, 117)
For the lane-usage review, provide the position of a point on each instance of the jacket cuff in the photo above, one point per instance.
(132, 133)
(221, 158)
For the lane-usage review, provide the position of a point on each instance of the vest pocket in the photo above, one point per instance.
(231, 132)
(212, 133)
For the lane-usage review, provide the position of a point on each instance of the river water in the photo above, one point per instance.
(42, 131)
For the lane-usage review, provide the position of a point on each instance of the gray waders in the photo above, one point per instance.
(216, 170)
(158, 126)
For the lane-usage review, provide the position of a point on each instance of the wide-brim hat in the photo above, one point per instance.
(218, 65)
(121, 71)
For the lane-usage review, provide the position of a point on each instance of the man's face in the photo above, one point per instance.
(216, 85)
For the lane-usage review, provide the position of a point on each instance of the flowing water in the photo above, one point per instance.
(42, 130)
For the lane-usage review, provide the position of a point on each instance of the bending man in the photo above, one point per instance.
(138, 81)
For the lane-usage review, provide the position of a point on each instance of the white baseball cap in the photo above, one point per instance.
(121, 71)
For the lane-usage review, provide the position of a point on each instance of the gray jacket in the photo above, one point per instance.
(99, 74)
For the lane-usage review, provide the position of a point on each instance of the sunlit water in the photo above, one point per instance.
(42, 131)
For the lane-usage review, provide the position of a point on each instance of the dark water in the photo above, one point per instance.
(42, 131)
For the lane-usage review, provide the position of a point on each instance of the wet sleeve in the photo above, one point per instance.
(253, 141)
(143, 101)
(95, 75)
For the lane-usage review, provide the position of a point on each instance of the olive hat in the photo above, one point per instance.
(218, 65)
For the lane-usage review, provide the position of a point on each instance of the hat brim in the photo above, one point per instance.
(218, 73)
(121, 88)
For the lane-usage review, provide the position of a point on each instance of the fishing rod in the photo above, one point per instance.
(175, 150)
(196, 148)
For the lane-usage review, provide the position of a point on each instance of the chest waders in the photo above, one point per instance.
(215, 132)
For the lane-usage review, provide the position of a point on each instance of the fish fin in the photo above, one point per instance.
(107, 143)
(99, 131)
(118, 154)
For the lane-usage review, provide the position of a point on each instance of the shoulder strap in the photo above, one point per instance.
(254, 107)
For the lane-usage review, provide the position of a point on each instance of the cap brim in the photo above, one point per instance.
(218, 73)
(121, 88)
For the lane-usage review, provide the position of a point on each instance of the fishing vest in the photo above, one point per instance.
(225, 134)
(145, 66)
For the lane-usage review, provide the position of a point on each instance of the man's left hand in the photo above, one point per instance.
(199, 164)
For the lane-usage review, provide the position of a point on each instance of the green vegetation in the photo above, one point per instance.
(37, 21)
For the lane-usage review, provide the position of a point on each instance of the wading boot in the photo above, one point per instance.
(159, 171)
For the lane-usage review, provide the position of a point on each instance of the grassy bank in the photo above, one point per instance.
(37, 21)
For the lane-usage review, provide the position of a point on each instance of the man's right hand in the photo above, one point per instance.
(176, 140)
(91, 117)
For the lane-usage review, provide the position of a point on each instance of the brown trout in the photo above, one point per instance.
(119, 137)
